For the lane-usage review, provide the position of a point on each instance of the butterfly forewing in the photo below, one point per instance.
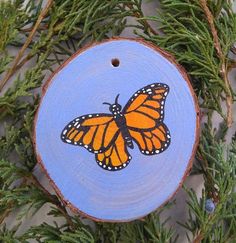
(145, 109)
(95, 132)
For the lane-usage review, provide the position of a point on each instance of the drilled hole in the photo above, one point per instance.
(115, 62)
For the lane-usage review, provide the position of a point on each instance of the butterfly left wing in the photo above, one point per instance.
(95, 132)
(116, 157)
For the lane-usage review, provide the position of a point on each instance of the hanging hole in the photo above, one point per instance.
(115, 62)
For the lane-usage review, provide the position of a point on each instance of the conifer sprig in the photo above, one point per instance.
(200, 34)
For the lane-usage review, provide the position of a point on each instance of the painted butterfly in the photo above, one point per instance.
(109, 135)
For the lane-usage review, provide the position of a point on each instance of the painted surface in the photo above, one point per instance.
(80, 88)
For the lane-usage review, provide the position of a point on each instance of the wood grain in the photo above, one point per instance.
(48, 90)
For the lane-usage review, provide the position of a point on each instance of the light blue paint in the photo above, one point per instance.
(80, 88)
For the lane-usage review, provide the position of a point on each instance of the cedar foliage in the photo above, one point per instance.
(199, 33)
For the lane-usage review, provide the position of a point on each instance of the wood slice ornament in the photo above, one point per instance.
(116, 129)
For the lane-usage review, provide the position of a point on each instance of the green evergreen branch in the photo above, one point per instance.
(222, 57)
(29, 39)
(219, 173)
(200, 34)
(188, 36)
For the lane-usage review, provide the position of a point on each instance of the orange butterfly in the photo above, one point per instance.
(109, 135)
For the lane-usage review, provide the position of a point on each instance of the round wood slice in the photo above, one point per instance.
(117, 162)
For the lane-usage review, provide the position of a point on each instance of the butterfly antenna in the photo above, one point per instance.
(116, 100)
(105, 103)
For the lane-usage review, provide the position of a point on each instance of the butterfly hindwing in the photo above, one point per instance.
(95, 132)
(145, 109)
(116, 157)
(153, 141)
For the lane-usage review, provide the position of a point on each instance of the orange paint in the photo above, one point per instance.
(115, 161)
(138, 120)
(97, 142)
(157, 97)
(120, 145)
(78, 136)
(149, 111)
(110, 132)
(137, 102)
(97, 121)
(162, 128)
(138, 137)
(156, 142)
(148, 134)
(120, 141)
(152, 104)
(108, 152)
(72, 135)
(123, 155)
(159, 134)
(89, 135)
(149, 144)
(100, 157)
(160, 91)
(71, 130)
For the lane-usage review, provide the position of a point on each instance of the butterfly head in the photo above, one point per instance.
(114, 108)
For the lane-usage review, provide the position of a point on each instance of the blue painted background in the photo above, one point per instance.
(80, 88)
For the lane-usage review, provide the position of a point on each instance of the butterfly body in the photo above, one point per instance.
(109, 135)
(119, 118)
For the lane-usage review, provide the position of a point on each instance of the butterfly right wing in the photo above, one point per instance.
(144, 114)
(95, 132)
(145, 109)
(152, 141)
